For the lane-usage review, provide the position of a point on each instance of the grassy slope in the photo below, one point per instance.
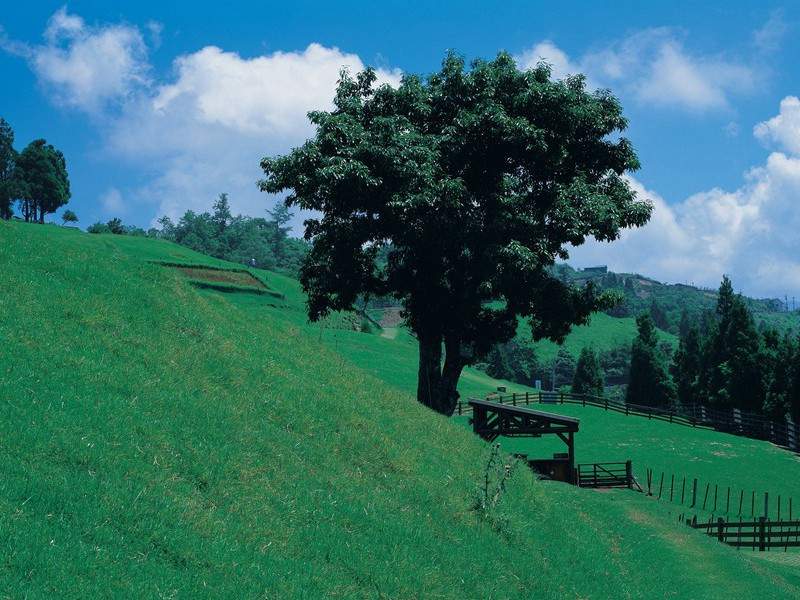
(156, 440)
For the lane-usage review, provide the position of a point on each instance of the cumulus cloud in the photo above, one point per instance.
(210, 126)
(749, 233)
(198, 131)
(653, 67)
(784, 129)
(85, 67)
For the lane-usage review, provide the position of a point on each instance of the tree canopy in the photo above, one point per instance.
(478, 177)
(42, 180)
(588, 377)
(8, 159)
(650, 384)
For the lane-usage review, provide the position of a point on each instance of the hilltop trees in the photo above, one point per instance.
(68, 216)
(42, 180)
(478, 178)
(8, 160)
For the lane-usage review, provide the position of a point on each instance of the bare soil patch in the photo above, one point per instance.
(216, 276)
(391, 317)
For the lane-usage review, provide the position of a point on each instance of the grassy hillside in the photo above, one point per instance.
(159, 440)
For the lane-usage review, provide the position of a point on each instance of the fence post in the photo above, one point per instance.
(741, 499)
(761, 534)
(661, 486)
(459, 407)
(705, 499)
(694, 493)
(720, 526)
(514, 399)
(629, 474)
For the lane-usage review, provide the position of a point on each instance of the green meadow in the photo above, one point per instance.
(160, 440)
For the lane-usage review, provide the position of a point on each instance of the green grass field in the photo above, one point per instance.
(157, 440)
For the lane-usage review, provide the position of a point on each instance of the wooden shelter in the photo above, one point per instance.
(491, 420)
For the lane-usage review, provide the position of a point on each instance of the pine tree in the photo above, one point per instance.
(686, 367)
(650, 384)
(588, 377)
(8, 158)
(777, 403)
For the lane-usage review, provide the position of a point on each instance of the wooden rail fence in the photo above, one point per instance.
(607, 475)
(785, 434)
(761, 534)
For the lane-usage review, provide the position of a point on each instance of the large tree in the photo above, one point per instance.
(43, 183)
(8, 159)
(588, 378)
(478, 177)
(650, 384)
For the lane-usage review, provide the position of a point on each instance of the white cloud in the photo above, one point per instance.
(783, 128)
(211, 126)
(85, 67)
(113, 203)
(654, 68)
(749, 233)
(199, 132)
(548, 52)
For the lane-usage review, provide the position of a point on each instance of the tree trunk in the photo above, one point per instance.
(437, 388)
(453, 365)
(429, 379)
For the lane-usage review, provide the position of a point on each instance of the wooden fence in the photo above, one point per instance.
(715, 498)
(617, 474)
(762, 533)
(734, 421)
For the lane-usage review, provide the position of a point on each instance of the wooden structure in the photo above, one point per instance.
(607, 475)
(491, 420)
(761, 533)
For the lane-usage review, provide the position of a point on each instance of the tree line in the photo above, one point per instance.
(257, 241)
(34, 180)
(722, 361)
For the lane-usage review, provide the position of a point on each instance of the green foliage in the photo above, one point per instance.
(478, 178)
(588, 374)
(41, 179)
(115, 226)
(8, 159)
(68, 216)
(650, 384)
(686, 367)
(239, 238)
(98, 227)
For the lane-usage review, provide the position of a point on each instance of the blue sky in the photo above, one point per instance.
(160, 106)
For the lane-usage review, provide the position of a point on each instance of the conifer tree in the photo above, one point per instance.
(686, 367)
(650, 384)
(588, 377)
(8, 158)
(777, 403)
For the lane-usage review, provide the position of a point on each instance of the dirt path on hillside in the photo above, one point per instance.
(390, 317)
